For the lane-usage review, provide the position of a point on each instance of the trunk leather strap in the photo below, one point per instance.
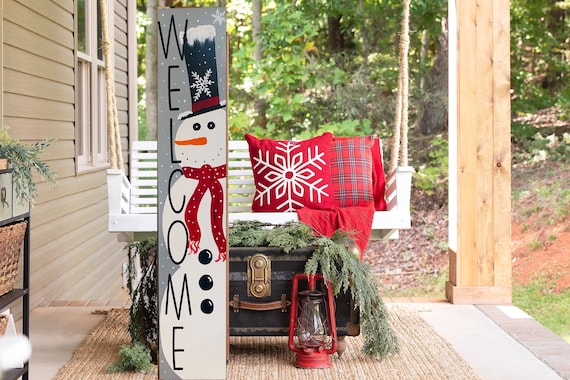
(282, 304)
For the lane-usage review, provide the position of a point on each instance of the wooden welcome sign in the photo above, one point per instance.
(192, 216)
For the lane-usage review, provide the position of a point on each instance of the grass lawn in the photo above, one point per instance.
(548, 308)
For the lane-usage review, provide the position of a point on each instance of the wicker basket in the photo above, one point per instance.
(11, 240)
(3, 323)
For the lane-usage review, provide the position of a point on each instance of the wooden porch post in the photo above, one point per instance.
(480, 154)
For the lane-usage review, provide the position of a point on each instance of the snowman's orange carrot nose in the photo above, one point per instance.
(196, 141)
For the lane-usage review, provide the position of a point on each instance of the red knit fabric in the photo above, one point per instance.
(357, 219)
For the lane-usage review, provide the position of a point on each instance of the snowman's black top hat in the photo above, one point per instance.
(199, 50)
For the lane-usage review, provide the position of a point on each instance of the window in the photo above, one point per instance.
(91, 119)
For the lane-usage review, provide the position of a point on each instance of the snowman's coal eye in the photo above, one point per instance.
(196, 126)
(211, 125)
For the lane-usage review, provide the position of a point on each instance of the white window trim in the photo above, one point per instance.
(91, 126)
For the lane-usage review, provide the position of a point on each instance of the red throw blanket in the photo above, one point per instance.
(357, 219)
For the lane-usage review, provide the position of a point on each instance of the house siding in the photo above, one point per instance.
(73, 256)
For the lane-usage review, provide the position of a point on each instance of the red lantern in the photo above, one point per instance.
(312, 324)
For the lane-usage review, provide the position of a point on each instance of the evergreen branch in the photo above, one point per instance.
(24, 159)
(290, 236)
(343, 269)
(244, 233)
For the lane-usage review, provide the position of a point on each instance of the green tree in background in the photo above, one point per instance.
(324, 65)
(333, 64)
(540, 47)
(147, 42)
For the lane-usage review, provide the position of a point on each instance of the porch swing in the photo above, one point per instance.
(133, 203)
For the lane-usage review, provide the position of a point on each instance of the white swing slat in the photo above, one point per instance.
(133, 205)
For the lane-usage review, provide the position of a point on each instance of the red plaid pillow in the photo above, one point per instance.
(351, 167)
(289, 175)
(378, 176)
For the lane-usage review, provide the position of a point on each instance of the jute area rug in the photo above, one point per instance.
(424, 355)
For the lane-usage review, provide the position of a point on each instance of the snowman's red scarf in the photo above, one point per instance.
(207, 177)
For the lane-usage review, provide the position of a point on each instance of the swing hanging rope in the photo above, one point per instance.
(399, 154)
(113, 131)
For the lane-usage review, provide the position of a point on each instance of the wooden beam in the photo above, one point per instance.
(502, 146)
(467, 138)
(485, 106)
(471, 295)
(480, 263)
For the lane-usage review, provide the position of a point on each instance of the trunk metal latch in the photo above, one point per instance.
(259, 276)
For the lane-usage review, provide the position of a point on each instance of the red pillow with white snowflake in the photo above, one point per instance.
(289, 175)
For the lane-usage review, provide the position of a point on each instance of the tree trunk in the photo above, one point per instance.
(364, 35)
(335, 39)
(256, 29)
(433, 105)
(151, 69)
(423, 57)
(259, 104)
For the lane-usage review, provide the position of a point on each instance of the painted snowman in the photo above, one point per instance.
(200, 146)
(194, 218)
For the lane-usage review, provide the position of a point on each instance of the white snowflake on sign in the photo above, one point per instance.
(202, 84)
(219, 17)
(291, 175)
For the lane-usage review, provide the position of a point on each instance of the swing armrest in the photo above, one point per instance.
(386, 224)
(398, 188)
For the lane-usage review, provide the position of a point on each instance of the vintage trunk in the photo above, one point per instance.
(260, 292)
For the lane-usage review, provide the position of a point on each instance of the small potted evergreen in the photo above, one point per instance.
(23, 159)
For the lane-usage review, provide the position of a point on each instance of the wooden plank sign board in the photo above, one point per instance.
(192, 216)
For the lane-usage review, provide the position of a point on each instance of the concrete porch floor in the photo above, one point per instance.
(499, 342)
